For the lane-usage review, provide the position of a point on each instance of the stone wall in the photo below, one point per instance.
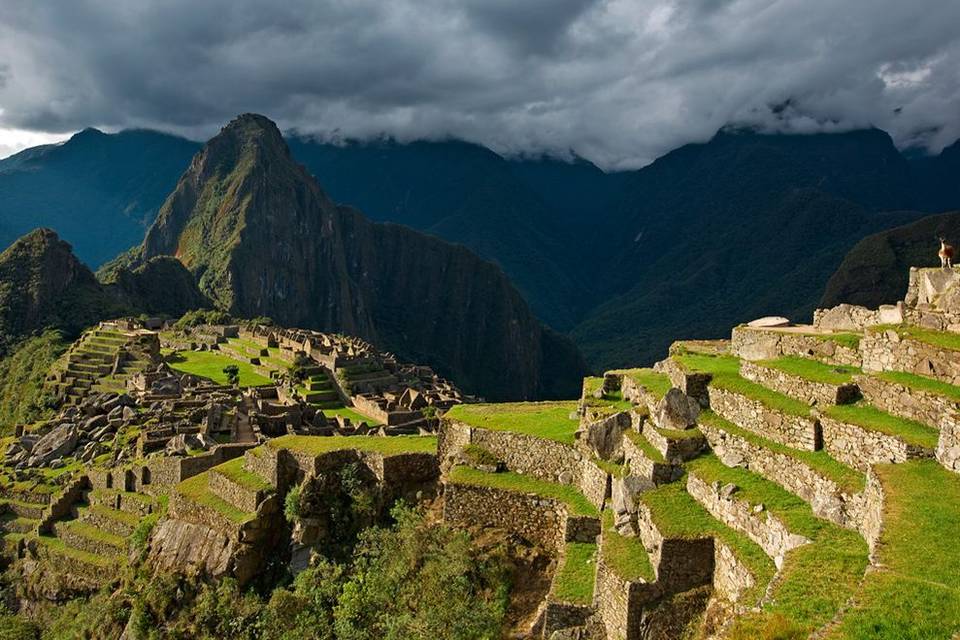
(753, 415)
(824, 496)
(643, 467)
(762, 527)
(620, 603)
(544, 459)
(537, 520)
(948, 446)
(758, 344)
(731, 577)
(888, 351)
(871, 525)
(859, 448)
(693, 384)
(808, 391)
(906, 402)
(562, 615)
(239, 496)
(680, 564)
(674, 450)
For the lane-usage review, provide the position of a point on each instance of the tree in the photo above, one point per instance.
(233, 374)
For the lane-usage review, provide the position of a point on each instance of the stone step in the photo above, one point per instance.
(861, 435)
(12, 523)
(645, 461)
(688, 547)
(96, 568)
(86, 537)
(233, 483)
(911, 396)
(314, 397)
(318, 384)
(820, 565)
(788, 423)
(21, 509)
(675, 445)
(806, 380)
(833, 490)
(119, 523)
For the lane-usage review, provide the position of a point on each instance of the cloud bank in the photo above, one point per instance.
(617, 81)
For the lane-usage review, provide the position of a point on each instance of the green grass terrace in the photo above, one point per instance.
(816, 580)
(915, 592)
(847, 479)
(509, 481)
(941, 339)
(210, 365)
(548, 420)
(392, 445)
(726, 375)
(872, 419)
(574, 580)
(812, 370)
(921, 383)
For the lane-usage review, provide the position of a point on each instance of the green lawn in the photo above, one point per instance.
(848, 479)
(93, 533)
(942, 339)
(57, 546)
(921, 383)
(677, 515)
(726, 375)
(347, 412)
(510, 481)
(197, 491)
(812, 370)
(916, 592)
(549, 420)
(625, 556)
(611, 402)
(656, 383)
(817, 579)
(210, 365)
(848, 340)
(392, 445)
(644, 445)
(247, 479)
(575, 576)
(873, 419)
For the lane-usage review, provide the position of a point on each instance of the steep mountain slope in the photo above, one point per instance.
(262, 238)
(42, 284)
(876, 270)
(99, 191)
(742, 226)
(523, 214)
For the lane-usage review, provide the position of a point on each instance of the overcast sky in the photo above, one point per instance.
(619, 82)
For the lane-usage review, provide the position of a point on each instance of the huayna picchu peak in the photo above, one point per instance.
(263, 239)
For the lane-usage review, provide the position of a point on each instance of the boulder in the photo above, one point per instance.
(624, 492)
(676, 410)
(846, 317)
(769, 322)
(56, 444)
(604, 438)
(94, 423)
(182, 443)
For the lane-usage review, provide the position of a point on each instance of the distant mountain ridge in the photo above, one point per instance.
(262, 239)
(709, 235)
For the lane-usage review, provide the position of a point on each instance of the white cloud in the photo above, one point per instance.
(619, 81)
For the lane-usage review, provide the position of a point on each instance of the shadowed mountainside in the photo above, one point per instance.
(262, 238)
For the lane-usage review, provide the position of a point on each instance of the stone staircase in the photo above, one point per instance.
(102, 360)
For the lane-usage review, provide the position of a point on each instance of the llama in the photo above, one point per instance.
(946, 254)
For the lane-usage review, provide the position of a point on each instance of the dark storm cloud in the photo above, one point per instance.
(618, 81)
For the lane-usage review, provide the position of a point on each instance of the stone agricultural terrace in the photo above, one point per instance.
(793, 481)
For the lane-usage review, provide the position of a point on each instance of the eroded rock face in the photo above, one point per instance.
(604, 438)
(56, 444)
(676, 411)
(177, 545)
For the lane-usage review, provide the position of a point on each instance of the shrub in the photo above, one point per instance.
(291, 505)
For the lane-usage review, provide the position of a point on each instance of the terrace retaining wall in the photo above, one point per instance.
(907, 402)
(859, 448)
(753, 415)
(824, 496)
(800, 388)
(888, 351)
(758, 344)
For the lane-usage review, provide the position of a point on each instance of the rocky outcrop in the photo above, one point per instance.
(262, 238)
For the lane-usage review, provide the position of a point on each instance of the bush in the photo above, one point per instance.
(291, 505)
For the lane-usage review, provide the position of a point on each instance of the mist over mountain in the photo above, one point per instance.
(711, 234)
